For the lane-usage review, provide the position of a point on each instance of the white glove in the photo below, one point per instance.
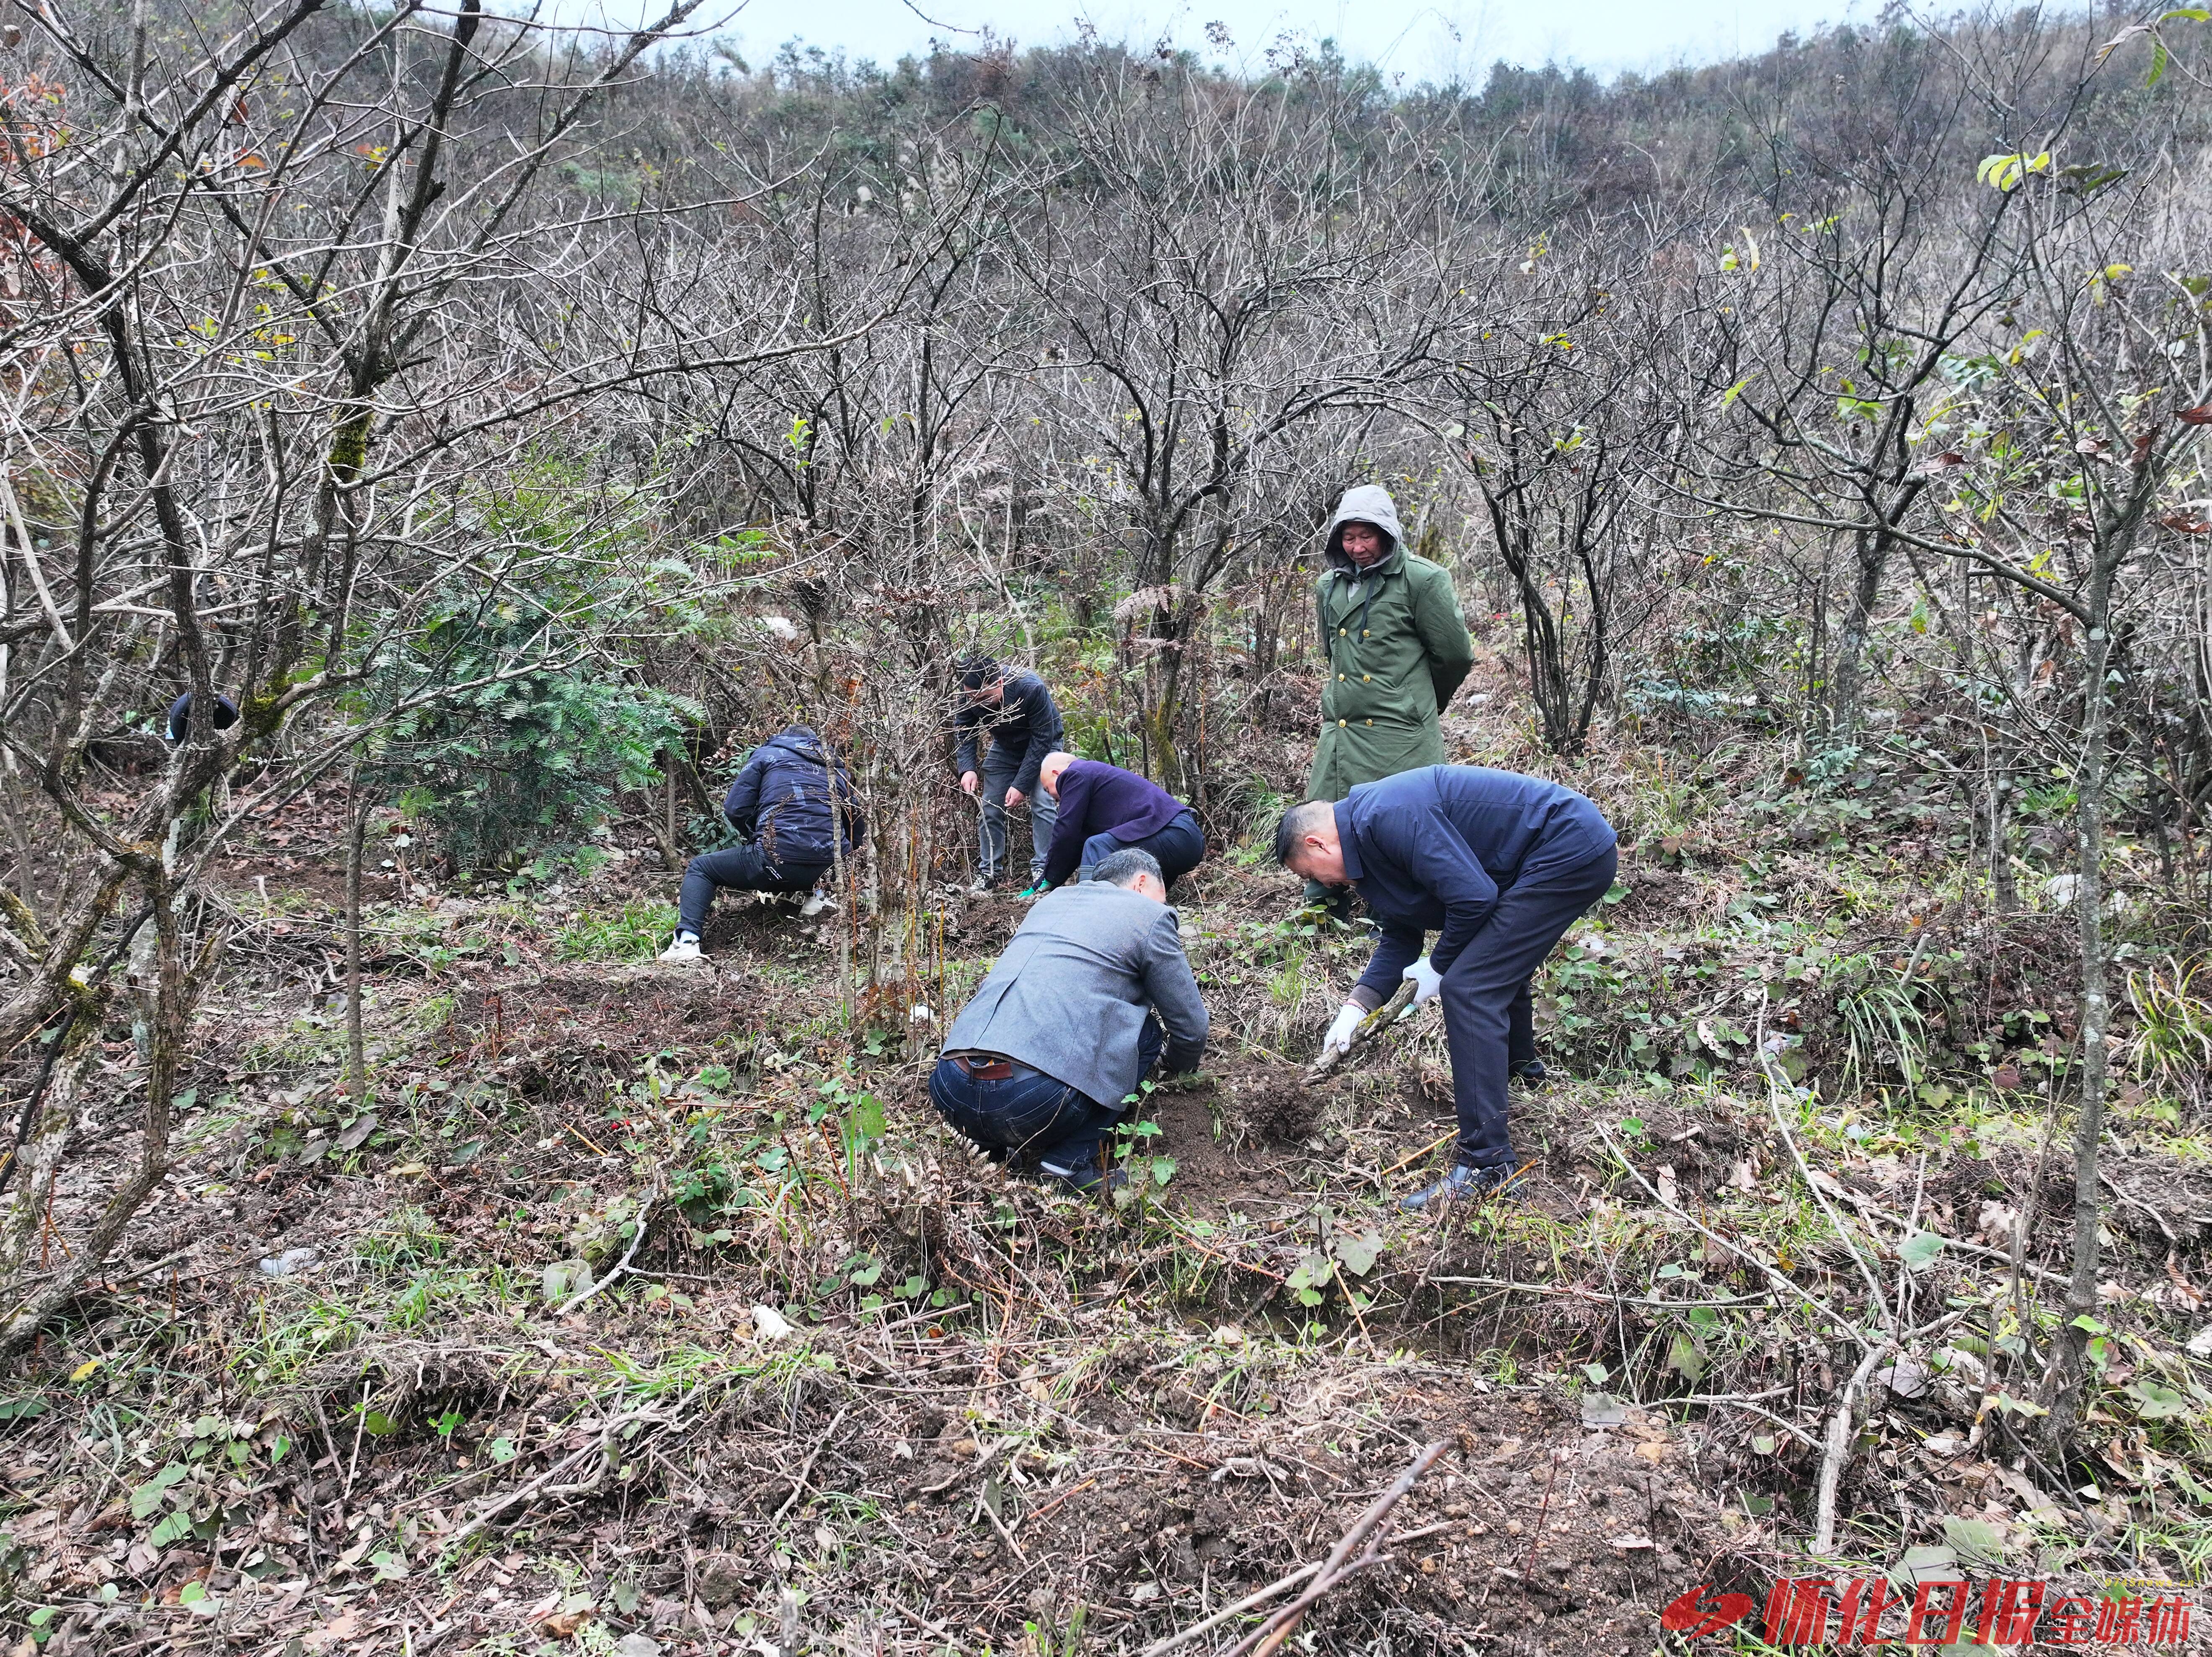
(1338, 1041)
(1428, 982)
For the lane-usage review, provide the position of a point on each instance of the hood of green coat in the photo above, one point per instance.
(1370, 503)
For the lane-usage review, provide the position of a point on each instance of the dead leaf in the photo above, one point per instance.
(1652, 1451)
(346, 1625)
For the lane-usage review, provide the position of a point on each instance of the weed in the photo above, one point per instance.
(406, 1239)
(2172, 1042)
(1882, 1022)
(633, 933)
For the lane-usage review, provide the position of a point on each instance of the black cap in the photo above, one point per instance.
(976, 671)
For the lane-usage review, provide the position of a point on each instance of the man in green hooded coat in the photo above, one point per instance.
(1397, 647)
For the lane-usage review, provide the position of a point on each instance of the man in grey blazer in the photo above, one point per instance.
(1036, 1068)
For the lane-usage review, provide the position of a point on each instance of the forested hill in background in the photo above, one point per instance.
(1545, 140)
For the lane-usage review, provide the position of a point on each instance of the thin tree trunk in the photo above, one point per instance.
(2064, 1386)
(837, 871)
(40, 1157)
(357, 806)
(1852, 643)
(2004, 886)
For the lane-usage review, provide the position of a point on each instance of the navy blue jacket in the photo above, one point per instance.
(781, 799)
(1104, 799)
(1431, 849)
(1025, 725)
(180, 714)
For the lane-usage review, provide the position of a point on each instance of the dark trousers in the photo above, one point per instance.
(1489, 1022)
(742, 868)
(1178, 846)
(1030, 1117)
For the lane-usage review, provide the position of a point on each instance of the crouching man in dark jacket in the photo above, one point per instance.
(1104, 810)
(1070, 1020)
(780, 802)
(1499, 865)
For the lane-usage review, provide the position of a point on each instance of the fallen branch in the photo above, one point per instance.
(644, 1212)
(1260, 1597)
(807, 1471)
(1404, 1162)
(1294, 1614)
(1841, 1431)
(597, 1446)
(1272, 1634)
(1364, 1032)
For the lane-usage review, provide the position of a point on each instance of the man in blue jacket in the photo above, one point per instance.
(1104, 810)
(1499, 865)
(1018, 713)
(781, 803)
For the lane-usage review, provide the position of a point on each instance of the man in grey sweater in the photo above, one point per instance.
(1036, 1067)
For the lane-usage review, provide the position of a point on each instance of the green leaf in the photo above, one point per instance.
(1685, 1358)
(1357, 1254)
(1919, 1250)
(148, 1497)
(1975, 1539)
(500, 1449)
(1163, 1169)
(1736, 389)
(378, 1424)
(2156, 1403)
(175, 1528)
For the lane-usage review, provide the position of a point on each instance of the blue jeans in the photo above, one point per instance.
(995, 778)
(1178, 846)
(1030, 1117)
(744, 868)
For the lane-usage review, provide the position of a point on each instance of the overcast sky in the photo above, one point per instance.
(1412, 39)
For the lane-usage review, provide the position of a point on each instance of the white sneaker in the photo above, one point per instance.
(817, 902)
(684, 949)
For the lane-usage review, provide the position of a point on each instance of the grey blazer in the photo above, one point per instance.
(1070, 994)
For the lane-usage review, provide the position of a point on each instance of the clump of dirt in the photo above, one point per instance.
(1272, 1101)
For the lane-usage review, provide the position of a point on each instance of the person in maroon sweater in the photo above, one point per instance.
(1104, 810)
